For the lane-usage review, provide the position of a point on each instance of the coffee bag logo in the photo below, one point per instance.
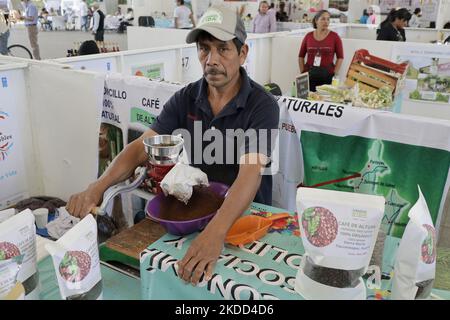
(6, 139)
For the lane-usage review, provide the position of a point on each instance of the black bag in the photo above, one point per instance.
(319, 76)
(146, 21)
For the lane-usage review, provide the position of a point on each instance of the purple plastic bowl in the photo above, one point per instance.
(181, 228)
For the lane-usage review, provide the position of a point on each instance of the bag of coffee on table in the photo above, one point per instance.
(415, 261)
(338, 231)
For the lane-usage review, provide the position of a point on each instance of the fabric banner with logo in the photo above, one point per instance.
(366, 151)
(13, 187)
(265, 269)
(262, 270)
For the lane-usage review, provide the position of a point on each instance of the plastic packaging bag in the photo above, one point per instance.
(76, 260)
(180, 181)
(6, 214)
(338, 230)
(415, 261)
(9, 270)
(18, 237)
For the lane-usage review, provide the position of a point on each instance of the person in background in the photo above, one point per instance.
(46, 24)
(371, 19)
(282, 15)
(119, 14)
(263, 21)
(305, 18)
(31, 18)
(415, 21)
(183, 17)
(272, 9)
(128, 21)
(4, 32)
(393, 28)
(364, 17)
(84, 15)
(321, 46)
(99, 23)
(225, 98)
(88, 47)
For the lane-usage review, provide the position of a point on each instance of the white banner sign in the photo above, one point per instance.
(364, 151)
(12, 167)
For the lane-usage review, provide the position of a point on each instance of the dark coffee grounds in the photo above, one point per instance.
(332, 277)
(203, 202)
(424, 289)
(164, 145)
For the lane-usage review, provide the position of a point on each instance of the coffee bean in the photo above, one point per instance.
(332, 277)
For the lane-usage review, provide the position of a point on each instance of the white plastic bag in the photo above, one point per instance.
(415, 261)
(338, 231)
(6, 214)
(9, 270)
(181, 179)
(77, 264)
(18, 236)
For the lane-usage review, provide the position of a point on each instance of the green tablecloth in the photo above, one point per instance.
(116, 285)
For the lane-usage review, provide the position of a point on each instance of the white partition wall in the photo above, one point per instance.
(65, 107)
(144, 38)
(49, 124)
(15, 180)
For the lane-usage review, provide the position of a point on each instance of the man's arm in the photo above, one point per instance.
(122, 167)
(96, 21)
(191, 16)
(301, 64)
(201, 259)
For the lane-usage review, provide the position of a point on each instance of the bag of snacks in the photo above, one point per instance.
(338, 231)
(18, 237)
(77, 264)
(415, 261)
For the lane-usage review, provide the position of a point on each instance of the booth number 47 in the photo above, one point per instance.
(185, 62)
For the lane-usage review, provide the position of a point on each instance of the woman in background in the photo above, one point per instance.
(393, 28)
(321, 46)
(415, 18)
(263, 21)
(364, 17)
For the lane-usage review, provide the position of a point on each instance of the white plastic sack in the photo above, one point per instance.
(77, 264)
(18, 237)
(6, 214)
(338, 231)
(181, 179)
(415, 262)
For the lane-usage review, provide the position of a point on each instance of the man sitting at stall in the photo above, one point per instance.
(225, 98)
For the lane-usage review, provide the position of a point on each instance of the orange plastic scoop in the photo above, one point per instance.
(250, 228)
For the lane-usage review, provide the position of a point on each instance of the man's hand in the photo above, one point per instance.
(201, 257)
(82, 203)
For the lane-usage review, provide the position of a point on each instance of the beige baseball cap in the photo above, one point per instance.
(222, 23)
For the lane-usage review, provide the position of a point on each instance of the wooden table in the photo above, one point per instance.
(126, 246)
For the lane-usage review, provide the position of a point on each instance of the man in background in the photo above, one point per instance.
(99, 23)
(84, 15)
(4, 32)
(182, 16)
(31, 18)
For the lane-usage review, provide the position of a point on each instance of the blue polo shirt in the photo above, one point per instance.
(251, 108)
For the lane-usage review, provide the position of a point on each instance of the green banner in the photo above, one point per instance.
(142, 116)
(377, 167)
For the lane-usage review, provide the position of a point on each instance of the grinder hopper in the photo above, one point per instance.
(163, 153)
